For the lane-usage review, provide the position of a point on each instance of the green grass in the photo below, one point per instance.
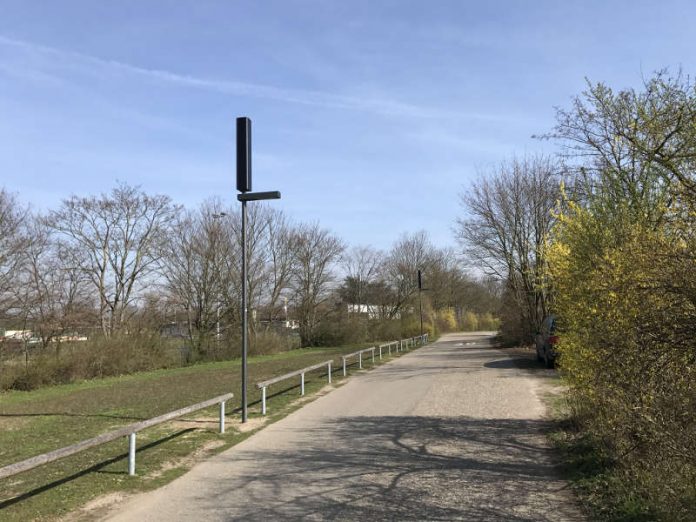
(594, 476)
(39, 421)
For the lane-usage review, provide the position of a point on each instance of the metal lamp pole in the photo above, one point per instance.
(244, 186)
(420, 300)
(245, 326)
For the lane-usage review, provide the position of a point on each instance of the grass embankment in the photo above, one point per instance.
(596, 476)
(36, 422)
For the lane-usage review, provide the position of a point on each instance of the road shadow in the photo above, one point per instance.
(522, 362)
(401, 468)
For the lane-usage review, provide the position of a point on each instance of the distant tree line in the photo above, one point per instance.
(127, 264)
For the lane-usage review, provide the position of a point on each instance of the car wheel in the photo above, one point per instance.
(548, 361)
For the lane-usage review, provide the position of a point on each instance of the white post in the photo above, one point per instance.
(222, 416)
(329, 374)
(373, 355)
(131, 454)
(380, 352)
(389, 346)
(344, 366)
(302, 384)
(263, 401)
(360, 360)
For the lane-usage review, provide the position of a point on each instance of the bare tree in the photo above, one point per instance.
(279, 260)
(258, 218)
(195, 267)
(634, 137)
(509, 215)
(315, 251)
(53, 293)
(13, 240)
(408, 255)
(362, 265)
(116, 240)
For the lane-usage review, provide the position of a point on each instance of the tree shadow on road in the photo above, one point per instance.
(405, 468)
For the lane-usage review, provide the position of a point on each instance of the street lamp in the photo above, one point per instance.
(420, 300)
(218, 215)
(244, 186)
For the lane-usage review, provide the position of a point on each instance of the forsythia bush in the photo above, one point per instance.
(625, 294)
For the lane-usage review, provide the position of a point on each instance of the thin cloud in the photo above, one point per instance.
(385, 107)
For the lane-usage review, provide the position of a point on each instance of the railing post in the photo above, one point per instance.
(344, 366)
(329, 375)
(360, 360)
(373, 355)
(302, 383)
(131, 454)
(222, 416)
(380, 352)
(389, 347)
(263, 401)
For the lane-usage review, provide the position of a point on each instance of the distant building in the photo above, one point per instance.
(18, 335)
(278, 324)
(370, 310)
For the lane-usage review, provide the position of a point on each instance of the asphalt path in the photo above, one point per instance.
(452, 431)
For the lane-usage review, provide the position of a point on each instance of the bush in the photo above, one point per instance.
(270, 342)
(470, 322)
(97, 358)
(446, 321)
(627, 350)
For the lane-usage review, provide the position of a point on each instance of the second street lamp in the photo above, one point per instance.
(420, 300)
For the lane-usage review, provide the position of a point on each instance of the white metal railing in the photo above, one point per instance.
(396, 344)
(265, 384)
(126, 431)
(359, 353)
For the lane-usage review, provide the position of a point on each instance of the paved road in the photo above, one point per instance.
(448, 432)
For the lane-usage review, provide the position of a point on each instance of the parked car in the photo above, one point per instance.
(546, 341)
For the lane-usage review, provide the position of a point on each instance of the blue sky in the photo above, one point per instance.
(369, 116)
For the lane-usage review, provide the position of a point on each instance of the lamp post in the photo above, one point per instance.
(420, 300)
(217, 216)
(244, 186)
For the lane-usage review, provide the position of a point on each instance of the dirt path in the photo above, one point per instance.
(449, 432)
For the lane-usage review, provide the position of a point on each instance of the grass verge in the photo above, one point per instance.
(595, 476)
(32, 423)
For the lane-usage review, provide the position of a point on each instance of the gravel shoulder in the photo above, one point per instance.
(452, 431)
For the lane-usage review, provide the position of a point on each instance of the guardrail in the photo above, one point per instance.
(359, 354)
(265, 384)
(397, 344)
(129, 431)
